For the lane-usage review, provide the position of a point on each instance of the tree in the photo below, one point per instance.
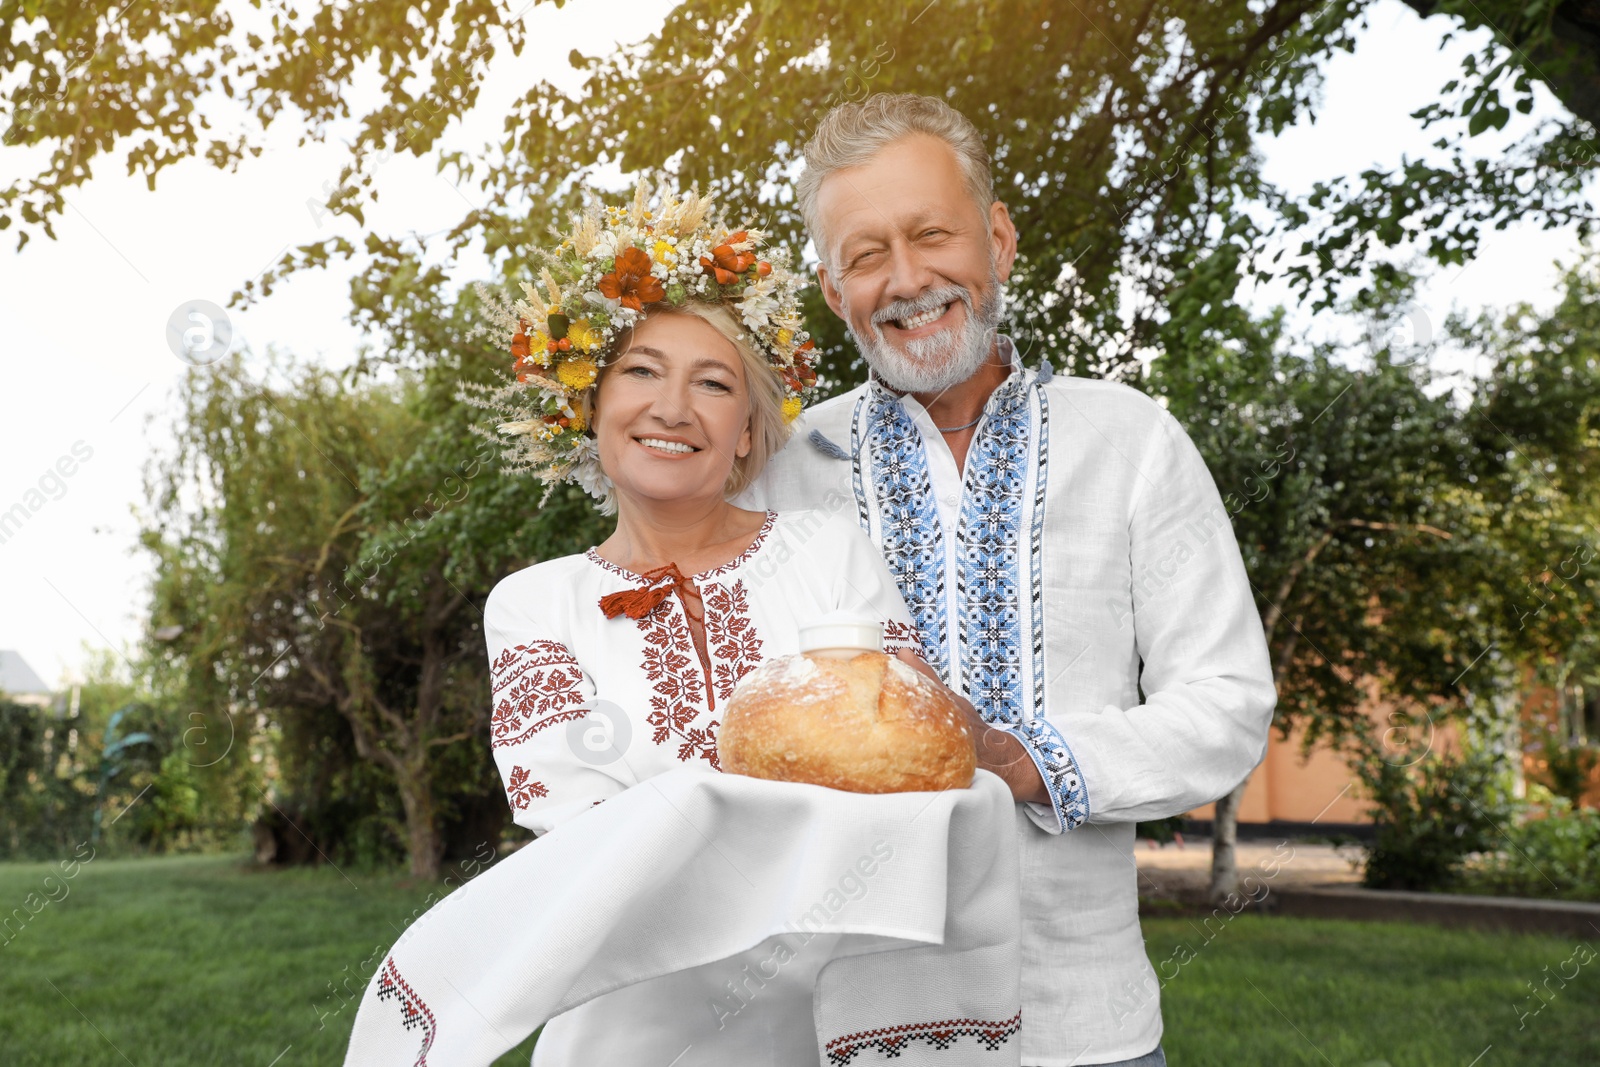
(240, 521)
(1541, 412)
(1340, 483)
(1398, 532)
(1559, 41)
(1124, 135)
(327, 546)
(41, 814)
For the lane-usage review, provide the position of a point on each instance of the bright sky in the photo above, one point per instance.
(90, 378)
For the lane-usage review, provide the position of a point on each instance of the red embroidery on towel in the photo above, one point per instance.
(521, 792)
(413, 1012)
(535, 685)
(894, 1040)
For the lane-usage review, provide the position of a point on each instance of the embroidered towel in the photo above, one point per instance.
(723, 920)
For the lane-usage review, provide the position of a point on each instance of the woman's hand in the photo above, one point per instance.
(997, 751)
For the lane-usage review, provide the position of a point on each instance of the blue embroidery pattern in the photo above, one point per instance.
(1036, 544)
(862, 518)
(1059, 770)
(913, 542)
(993, 615)
(989, 537)
(994, 628)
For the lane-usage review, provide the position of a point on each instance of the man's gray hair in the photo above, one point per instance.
(852, 134)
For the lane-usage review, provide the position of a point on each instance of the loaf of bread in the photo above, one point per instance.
(868, 724)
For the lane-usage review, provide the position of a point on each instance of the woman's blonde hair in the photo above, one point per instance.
(769, 431)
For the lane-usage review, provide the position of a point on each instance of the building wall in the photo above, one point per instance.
(1294, 786)
(1290, 785)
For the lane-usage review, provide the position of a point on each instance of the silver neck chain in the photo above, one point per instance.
(954, 429)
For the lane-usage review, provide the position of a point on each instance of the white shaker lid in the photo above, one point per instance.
(842, 630)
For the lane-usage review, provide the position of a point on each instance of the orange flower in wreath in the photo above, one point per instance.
(724, 263)
(520, 349)
(631, 282)
(801, 376)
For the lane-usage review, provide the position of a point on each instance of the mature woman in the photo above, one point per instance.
(659, 368)
(663, 389)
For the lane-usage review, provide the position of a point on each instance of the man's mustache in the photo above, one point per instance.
(928, 301)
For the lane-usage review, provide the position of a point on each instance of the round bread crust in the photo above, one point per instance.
(870, 724)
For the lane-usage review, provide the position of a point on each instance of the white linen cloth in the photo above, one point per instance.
(706, 894)
(586, 706)
(1082, 555)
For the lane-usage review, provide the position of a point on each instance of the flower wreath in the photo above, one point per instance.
(602, 277)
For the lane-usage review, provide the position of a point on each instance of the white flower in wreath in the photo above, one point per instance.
(605, 247)
(600, 300)
(590, 478)
(759, 303)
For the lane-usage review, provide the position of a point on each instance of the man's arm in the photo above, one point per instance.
(1206, 675)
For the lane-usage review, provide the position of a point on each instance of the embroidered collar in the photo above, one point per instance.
(594, 556)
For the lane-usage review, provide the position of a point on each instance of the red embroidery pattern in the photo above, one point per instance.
(894, 1040)
(742, 558)
(731, 639)
(521, 791)
(413, 1012)
(898, 635)
(672, 668)
(682, 693)
(534, 685)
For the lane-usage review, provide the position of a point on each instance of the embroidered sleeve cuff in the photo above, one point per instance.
(1069, 797)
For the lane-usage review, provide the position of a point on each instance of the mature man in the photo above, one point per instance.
(1058, 540)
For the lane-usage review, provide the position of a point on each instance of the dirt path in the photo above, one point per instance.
(1173, 873)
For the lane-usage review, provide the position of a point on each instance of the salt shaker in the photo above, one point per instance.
(841, 635)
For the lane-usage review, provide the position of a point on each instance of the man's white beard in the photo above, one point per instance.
(947, 358)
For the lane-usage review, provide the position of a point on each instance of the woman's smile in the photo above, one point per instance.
(671, 447)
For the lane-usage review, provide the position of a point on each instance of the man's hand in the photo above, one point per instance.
(998, 752)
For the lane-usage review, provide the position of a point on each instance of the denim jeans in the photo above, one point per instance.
(1155, 1058)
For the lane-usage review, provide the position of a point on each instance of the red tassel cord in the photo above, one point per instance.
(659, 584)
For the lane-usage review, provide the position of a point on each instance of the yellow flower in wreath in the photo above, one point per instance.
(577, 374)
(583, 338)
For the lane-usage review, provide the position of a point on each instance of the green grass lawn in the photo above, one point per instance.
(1366, 994)
(195, 960)
(202, 961)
